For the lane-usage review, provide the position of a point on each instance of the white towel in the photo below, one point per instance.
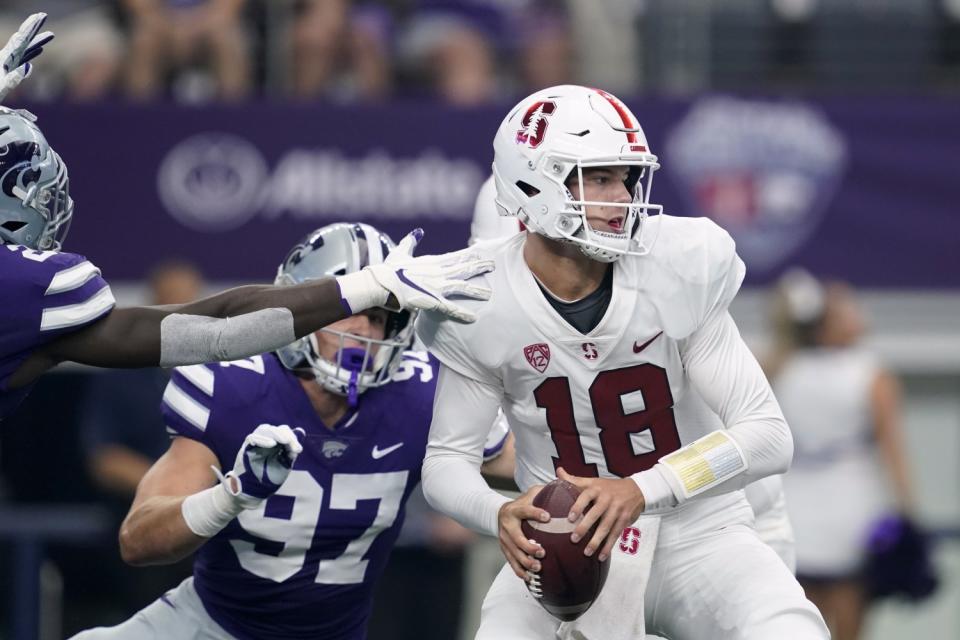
(617, 613)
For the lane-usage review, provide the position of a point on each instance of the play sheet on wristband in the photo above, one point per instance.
(706, 463)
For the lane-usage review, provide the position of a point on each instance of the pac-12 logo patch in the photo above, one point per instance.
(534, 123)
(538, 355)
(763, 170)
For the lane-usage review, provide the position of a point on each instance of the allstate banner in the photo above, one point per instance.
(865, 189)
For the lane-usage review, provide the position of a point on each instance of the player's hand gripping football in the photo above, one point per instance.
(22, 47)
(427, 281)
(263, 464)
(522, 554)
(616, 504)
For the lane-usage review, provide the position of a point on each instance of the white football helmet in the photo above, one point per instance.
(554, 135)
(336, 250)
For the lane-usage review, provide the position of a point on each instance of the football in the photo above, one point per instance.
(568, 581)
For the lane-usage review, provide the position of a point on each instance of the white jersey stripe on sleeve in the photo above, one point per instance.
(72, 278)
(78, 314)
(186, 407)
(200, 375)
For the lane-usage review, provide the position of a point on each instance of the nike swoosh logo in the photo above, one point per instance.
(638, 348)
(413, 285)
(378, 453)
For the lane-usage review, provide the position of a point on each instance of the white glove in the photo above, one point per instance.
(403, 281)
(23, 46)
(263, 464)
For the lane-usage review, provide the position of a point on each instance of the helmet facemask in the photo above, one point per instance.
(573, 226)
(359, 362)
(52, 200)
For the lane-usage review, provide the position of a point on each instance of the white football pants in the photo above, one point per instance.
(712, 577)
(176, 614)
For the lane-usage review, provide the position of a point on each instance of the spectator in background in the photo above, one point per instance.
(849, 466)
(85, 61)
(168, 35)
(543, 43)
(605, 33)
(122, 431)
(456, 46)
(342, 47)
(450, 46)
(452, 49)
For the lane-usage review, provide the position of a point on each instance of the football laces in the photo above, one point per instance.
(533, 584)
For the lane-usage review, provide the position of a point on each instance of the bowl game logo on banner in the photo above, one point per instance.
(764, 171)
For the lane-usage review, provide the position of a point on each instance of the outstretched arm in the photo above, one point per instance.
(234, 324)
(249, 320)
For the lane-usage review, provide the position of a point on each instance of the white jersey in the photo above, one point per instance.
(614, 401)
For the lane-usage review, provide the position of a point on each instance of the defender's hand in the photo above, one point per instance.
(22, 47)
(425, 282)
(263, 464)
(615, 504)
(521, 553)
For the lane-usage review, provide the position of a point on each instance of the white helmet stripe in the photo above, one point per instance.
(374, 248)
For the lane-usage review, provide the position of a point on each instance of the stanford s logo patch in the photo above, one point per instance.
(538, 355)
(589, 350)
(630, 541)
(534, 123)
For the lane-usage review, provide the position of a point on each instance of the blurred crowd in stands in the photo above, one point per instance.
(470, 52)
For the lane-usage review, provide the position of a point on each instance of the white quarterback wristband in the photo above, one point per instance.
(703, 464)
(210, 510)
(360, 290)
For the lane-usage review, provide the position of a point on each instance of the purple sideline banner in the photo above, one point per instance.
(867, 189)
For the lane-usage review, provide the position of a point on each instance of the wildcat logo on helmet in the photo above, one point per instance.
(764, 171)
(16, 172)
(534, 123)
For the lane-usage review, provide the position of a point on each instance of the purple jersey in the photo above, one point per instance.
(303, 565)
(43, 295)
